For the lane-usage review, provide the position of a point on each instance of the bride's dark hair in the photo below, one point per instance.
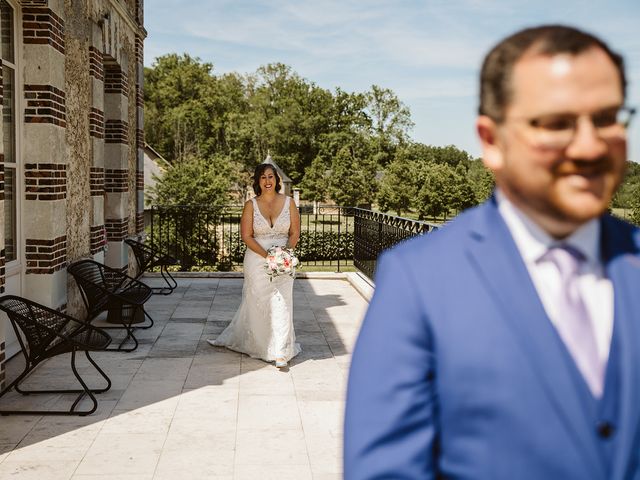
(259, 171)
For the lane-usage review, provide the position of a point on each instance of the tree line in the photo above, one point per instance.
(349, 148)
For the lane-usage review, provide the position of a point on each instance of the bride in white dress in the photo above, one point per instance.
(263, 325)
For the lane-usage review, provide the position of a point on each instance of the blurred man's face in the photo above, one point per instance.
(560, 153)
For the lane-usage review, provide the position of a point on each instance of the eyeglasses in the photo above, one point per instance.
(557, 131)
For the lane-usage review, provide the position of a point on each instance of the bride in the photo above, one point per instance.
(263, 325)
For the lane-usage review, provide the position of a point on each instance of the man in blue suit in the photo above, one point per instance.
(481, 356)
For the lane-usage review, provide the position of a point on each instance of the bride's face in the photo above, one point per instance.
(268, 181)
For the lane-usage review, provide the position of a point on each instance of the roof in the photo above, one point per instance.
(283, 176)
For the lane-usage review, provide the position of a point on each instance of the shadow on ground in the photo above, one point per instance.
(176, 402)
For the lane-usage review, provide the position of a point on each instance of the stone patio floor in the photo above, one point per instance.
(181, 409)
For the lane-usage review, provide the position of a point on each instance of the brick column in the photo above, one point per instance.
(98, 239)
(140, 131)
(2, 257)
(116, 161)
(45, 153)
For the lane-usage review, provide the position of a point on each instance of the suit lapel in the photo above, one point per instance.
(495, 255)
(622, 263)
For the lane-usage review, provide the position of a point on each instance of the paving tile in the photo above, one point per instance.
(37, 469)
(271, 447)
(116, 454)
(13, 429)
(277, 412)
(5, 450)
(273, 472)
(114, 477)
(195, 462)
(180, 408)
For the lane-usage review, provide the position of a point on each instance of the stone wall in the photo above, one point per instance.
(81, 129)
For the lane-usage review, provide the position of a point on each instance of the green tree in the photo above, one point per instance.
(397, 187)
(314, 185)
(352, 179)
(625, 196)
(464, 196)
(481, 179)
(177, 96)
(438, 190)
(195, 181)
(390, 123)
(635, 205)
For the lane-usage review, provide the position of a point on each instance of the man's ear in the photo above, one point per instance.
(492, 155)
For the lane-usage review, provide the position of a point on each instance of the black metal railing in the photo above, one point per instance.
(335, 238)
(375, 232)
(203, 237)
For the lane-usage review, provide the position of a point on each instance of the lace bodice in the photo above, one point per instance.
(280, 229)
(263, 325)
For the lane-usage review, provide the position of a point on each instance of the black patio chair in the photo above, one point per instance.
(45, 333)
(148, 258)
(105, 289)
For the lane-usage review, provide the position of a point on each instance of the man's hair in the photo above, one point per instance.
(496, 89)
(259, 171)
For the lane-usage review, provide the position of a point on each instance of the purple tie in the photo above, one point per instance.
(574, 324)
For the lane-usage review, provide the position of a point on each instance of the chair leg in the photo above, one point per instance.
(27, 369)
(145, 327)
(88, 392)
(72, 411)
(169, 280)
(101, 372)
(129, 335)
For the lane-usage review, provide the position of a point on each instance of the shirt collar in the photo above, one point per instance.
(533, 242)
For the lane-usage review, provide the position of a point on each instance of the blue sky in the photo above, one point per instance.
(428, 52)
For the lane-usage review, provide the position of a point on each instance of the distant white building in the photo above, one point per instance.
(286, 181)
(155, 166)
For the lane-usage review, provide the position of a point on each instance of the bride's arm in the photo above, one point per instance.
(246, 230)
(294, 228)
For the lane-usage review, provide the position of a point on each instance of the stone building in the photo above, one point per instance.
(71, 159)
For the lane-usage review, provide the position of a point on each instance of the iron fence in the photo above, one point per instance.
(205, 237)
(332, 237)
(375, 232)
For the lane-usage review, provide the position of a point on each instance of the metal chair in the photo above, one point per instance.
(44, 333)
(148, 258)
(106, 289)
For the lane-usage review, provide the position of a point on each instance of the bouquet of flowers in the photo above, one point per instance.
(280, 261)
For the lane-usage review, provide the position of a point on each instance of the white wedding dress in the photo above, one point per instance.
(263, 325)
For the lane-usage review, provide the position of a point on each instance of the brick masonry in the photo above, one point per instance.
(41, 26)
(46, 256)
(96, 181)
(2, 359)
(96, 61)
(1, 176)
(117, 229)
(98, 238)
(45, 181)
(2, 270)
(139, 49)
(45, 104)
(139, 180)
(115, 80)
(116, 180)
(96, 123)
(116, 131)
(140, 138)
(139, 222)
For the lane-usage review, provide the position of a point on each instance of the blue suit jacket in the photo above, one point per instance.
(458, 372)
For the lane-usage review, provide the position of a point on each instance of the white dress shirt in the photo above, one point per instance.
(595, 288)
